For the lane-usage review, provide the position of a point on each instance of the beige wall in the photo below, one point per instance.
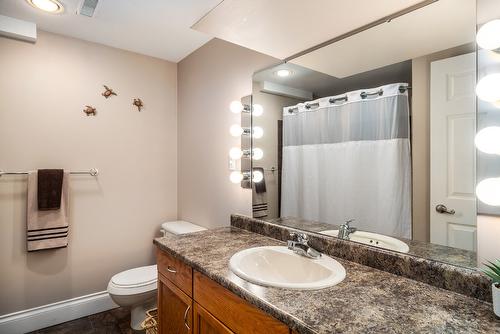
(44, 87)
(209, 79)
(421, 68)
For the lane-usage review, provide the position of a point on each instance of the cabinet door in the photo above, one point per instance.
(205, 323)
(174, 308)
(237, 314)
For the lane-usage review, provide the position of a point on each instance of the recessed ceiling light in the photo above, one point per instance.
(49, 6)
(283, 73)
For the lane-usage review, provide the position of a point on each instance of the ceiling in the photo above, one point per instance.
(158, 28)
(487, 10)
(436, 27)
(321, 84)
(281, 28)
(301, 78)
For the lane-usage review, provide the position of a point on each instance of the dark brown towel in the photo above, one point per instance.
(49, 189)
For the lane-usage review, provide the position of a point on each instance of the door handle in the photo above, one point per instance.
(171, 269)
(185, 318)
(441, 208)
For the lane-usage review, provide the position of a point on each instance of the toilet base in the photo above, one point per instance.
(138, 313)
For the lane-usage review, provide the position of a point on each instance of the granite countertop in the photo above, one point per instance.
(367, 301)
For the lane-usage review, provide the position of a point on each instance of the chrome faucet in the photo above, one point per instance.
(301, 246)
(345, 230)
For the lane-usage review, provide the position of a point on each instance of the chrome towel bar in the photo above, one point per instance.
(92, 172)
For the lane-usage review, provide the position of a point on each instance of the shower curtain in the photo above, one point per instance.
(348, 157)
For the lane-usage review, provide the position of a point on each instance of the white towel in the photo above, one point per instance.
(46, 229)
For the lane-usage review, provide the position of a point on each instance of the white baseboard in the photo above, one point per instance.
(55, 313)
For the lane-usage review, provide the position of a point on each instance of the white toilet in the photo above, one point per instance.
(136, 288)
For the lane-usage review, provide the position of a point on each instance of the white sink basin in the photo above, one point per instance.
(280, 267)
(373, 239)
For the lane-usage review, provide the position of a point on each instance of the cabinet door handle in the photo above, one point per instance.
(185, 317)
(171, 269)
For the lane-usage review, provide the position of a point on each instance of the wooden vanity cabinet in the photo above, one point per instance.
(175, 308)
(206, 323)
(190, 302)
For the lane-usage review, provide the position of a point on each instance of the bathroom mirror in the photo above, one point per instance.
(376, 128)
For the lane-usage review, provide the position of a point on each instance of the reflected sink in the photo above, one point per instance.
(280, 267)
(373, 239)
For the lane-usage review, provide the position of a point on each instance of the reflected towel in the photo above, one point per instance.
(46, 229)
(259, 197)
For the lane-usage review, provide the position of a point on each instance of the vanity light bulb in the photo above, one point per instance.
(236, 177)
(488, 36)
(257, 176)
(235, 153)
(257, 132)
(488, 191)
(236, 107)
(487, 88)
(257, 110)
(236, 130)
(257, 153)
(488, 140)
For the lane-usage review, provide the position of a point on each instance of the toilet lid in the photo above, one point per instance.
(136, 277)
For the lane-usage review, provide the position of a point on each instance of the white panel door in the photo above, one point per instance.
(453, 127)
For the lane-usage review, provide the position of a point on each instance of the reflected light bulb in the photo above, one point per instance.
(257, 153)
(283, 73)
(257, 176)
(236, 130)
(236, 107)
(488, 191)
(487, 88)
(235, 153)
(488, 36)
(257, 132)
(258, 110)
(488, 140)
(236, 177)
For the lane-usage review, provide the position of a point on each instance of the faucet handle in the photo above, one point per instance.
(348, 221)
(301, 237)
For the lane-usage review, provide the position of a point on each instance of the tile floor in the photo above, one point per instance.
(116, 321)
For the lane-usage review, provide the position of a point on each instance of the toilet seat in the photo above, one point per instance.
(134, 281)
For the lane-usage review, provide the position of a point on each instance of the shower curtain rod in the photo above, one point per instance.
(363, 95)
